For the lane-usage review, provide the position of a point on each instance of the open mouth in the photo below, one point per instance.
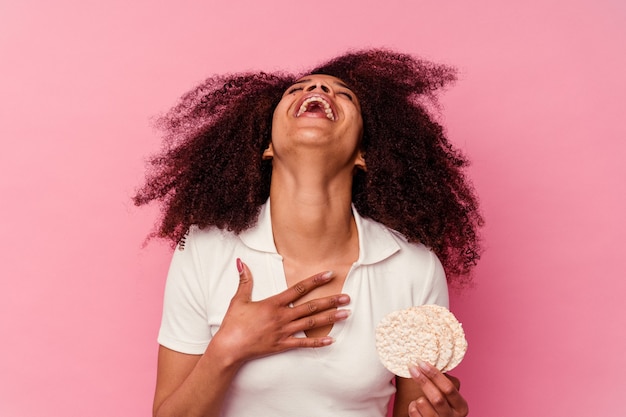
(316, 104)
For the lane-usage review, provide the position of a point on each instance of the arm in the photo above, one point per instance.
(191, 384)
(429, 393)
(196, 385)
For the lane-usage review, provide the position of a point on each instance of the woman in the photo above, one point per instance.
(305, 209)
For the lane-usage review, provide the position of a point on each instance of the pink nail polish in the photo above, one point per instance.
(327, 275)
(327, 341)
(415, 373)
(423, 365)
(342, 314)
(239, 266)
(343, 299)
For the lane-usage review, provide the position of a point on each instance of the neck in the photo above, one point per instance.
(311, 213)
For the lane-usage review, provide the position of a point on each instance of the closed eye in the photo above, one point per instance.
(348, 95)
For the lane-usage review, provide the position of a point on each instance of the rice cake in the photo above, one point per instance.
(429, 333)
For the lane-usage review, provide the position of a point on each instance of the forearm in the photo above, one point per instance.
(203, 390)
(406, 391)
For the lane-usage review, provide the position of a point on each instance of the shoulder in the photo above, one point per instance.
(417, 257)
(200, 250)
(381, 241)
(410, 268)
(198, 238)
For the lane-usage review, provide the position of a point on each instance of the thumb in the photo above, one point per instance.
(244, 290)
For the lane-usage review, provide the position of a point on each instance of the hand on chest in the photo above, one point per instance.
(295, 273)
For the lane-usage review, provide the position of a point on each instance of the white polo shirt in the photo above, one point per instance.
(345, 379)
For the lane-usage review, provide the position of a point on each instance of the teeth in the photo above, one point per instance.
(327, 109)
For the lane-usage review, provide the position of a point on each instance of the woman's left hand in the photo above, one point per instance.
(441, 394)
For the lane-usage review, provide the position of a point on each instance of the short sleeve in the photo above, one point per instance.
(437, 291)
(184, 324)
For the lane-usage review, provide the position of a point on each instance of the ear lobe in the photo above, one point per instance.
(359, 162)
(268, 153)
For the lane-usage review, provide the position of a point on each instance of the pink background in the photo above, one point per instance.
(539, 108)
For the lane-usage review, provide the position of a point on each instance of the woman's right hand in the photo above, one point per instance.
(252, 329)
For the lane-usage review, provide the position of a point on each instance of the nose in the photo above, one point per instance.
(318, 84)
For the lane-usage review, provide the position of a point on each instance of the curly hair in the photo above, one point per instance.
(211, 173)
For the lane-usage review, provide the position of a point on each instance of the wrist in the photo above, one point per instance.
(222, 354)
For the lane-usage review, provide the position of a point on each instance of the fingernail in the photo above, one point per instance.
(423, 365)
(415, 373)
(343, 299)
(327, 275)
(342, 314)
(239, 266)
(327, 341)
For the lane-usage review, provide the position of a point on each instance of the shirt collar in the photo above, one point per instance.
(376, 242)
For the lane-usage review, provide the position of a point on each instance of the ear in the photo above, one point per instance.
(268, 153)
(359, 162)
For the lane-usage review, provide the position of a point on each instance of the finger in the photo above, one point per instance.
(433, 397)
(318, 305)
(244, 290)
(421, 405)
(308, 342)
(317, 320)
(440, 391)
(303, 287)
(456, 381)
(423, 408)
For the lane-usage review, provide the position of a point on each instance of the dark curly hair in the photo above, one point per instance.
(211, 173)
